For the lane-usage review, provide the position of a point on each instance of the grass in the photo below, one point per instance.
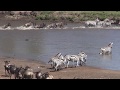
(76, 16)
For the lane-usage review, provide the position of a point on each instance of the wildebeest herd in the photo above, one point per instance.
(57, 63)
(38, 26)
(60, 25)
(24, 72)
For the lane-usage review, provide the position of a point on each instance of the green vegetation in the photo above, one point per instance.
(76, 16)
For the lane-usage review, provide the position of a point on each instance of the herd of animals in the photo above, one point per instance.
(89, 23)
(57, 63)
(24, 72)
(38, 26)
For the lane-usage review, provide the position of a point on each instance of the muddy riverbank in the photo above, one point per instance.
(82, 72)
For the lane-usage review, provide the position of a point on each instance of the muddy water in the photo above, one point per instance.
(43, 44)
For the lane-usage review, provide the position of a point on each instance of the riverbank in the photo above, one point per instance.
(83, 72)
(70, 16)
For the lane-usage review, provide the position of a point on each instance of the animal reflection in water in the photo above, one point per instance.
(107, 57)
(106, 50)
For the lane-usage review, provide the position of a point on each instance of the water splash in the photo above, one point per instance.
(46, 28)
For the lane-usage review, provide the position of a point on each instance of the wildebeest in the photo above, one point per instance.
(46, 75)
(53, 25)
(19, 73)
(107, 49)
(12, 70)
(7, 25)
(28, 73)
(38, 74)
(9, 68)
(29, 24)
(42, 25)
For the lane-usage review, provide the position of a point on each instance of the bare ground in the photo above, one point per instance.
(82, 72)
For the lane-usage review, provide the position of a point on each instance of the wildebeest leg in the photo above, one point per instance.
(31, 77)
(15, 76)
(10, 75)
(5, 72)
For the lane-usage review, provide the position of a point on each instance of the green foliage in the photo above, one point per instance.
(81, 15)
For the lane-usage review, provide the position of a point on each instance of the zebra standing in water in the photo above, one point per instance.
(56, 57)
(80, 58)
(107, 49)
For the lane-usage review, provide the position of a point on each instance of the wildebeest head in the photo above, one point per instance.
(46, 74)
(8, 24)
(7, 63)
(27, 67)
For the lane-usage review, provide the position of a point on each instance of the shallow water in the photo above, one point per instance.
(44, 44)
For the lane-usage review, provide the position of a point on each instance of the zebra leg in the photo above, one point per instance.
(67, 64)
(77, 63)
(52, 65)
(80, 62)
(56, 67)
(10, 75)
(73, 63)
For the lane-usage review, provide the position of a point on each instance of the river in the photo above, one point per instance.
(44, 44)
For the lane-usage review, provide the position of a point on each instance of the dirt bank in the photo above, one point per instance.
(83, 72)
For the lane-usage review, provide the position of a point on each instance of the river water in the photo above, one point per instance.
(44, 44)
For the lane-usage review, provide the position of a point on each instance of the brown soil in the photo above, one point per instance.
(82, 72)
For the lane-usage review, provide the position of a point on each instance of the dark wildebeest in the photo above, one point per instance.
(28, 73)
(7, 25)
(9, 68)
(19, 73)
(45, 75)
(12, 70)
(38, 74)
(42, 25)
